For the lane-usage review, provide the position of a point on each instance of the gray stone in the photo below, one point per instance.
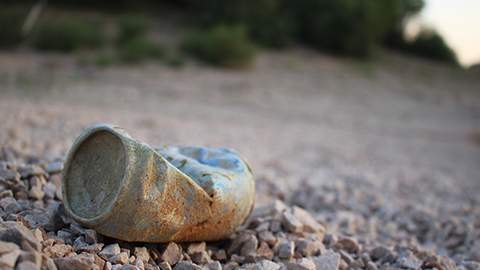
(57, 251)
(237, 259)
(10, 258)
(95, 248)
(77, 229)
(59, 194)
(220, 255)
(328, 261)
(138, 262)
(310, 224)
(26, 265)
(346, 257)
(305, 247)
(349, 243)
(77, 262)
(184, 265)
(215, 265)
(6, 193)
(267, 237)
(36, 193)
(66, 236)
(6, 247)
(471, 265)
(49, 264)
(172, 253)
(273, 209)
(275, 226)
(237, 243)
(91, 236)
(21, 236)
(196, 247)
(31, 256)
(10, 175)
(371, 266)
(165, 266)
(79, 242)
(56, 180)
(250, 245)
(10, 205)
(379, 252)
(264, 226)
(129, 267)
(286, 250)
(153, 267)
(31, 170)
(49, 191)
(121, 258)
(290, 223)
(409, 263)
(54, 167)
(142, 253)
(36, 182)
(230, 266)
(201, 257)
(301, 264)
(51, 220)
(268, 265)
(357, 264)
(262, 253)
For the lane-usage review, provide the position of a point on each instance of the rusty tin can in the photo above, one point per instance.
(125, 189)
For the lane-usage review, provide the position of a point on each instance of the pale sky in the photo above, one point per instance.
(458, 21)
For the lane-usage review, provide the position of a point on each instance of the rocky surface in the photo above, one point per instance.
(338, 229)
(358, 166)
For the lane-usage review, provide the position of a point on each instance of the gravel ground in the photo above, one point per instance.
(370, 166)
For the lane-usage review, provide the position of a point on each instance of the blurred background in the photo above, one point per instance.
(289, 84)
(325, 98)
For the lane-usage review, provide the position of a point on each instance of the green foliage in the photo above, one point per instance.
(132, 26)
(429, 44)
(268, 22)
(221, 45)
(339, 26)
(68, 34)
(176, 60)
(347, 27)
(135, 50)
(158, 51)
(105, 60)
(11, 21)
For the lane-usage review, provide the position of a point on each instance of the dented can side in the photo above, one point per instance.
(125, 189)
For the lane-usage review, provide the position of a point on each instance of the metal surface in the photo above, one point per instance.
(125, 189)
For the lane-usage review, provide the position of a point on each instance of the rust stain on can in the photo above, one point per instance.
(125, 189)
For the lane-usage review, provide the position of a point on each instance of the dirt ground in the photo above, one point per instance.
(295, 115)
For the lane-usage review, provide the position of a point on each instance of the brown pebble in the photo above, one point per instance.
(172, 253)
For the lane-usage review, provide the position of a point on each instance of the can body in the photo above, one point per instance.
(125, 189)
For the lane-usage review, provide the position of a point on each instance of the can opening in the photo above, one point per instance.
(95, 174)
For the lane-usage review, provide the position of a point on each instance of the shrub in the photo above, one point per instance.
(221, 45)
(350, 27)
(338, 26)
(158, 51)
(135, 50)
(132, 26)
(11, 21)
(176, 60)
(269, 22)
(429, 44)
(105, 60)
(69, 34)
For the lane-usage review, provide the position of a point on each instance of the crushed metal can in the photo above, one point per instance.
(125, 189)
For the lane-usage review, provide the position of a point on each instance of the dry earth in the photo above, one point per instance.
(386, 152)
